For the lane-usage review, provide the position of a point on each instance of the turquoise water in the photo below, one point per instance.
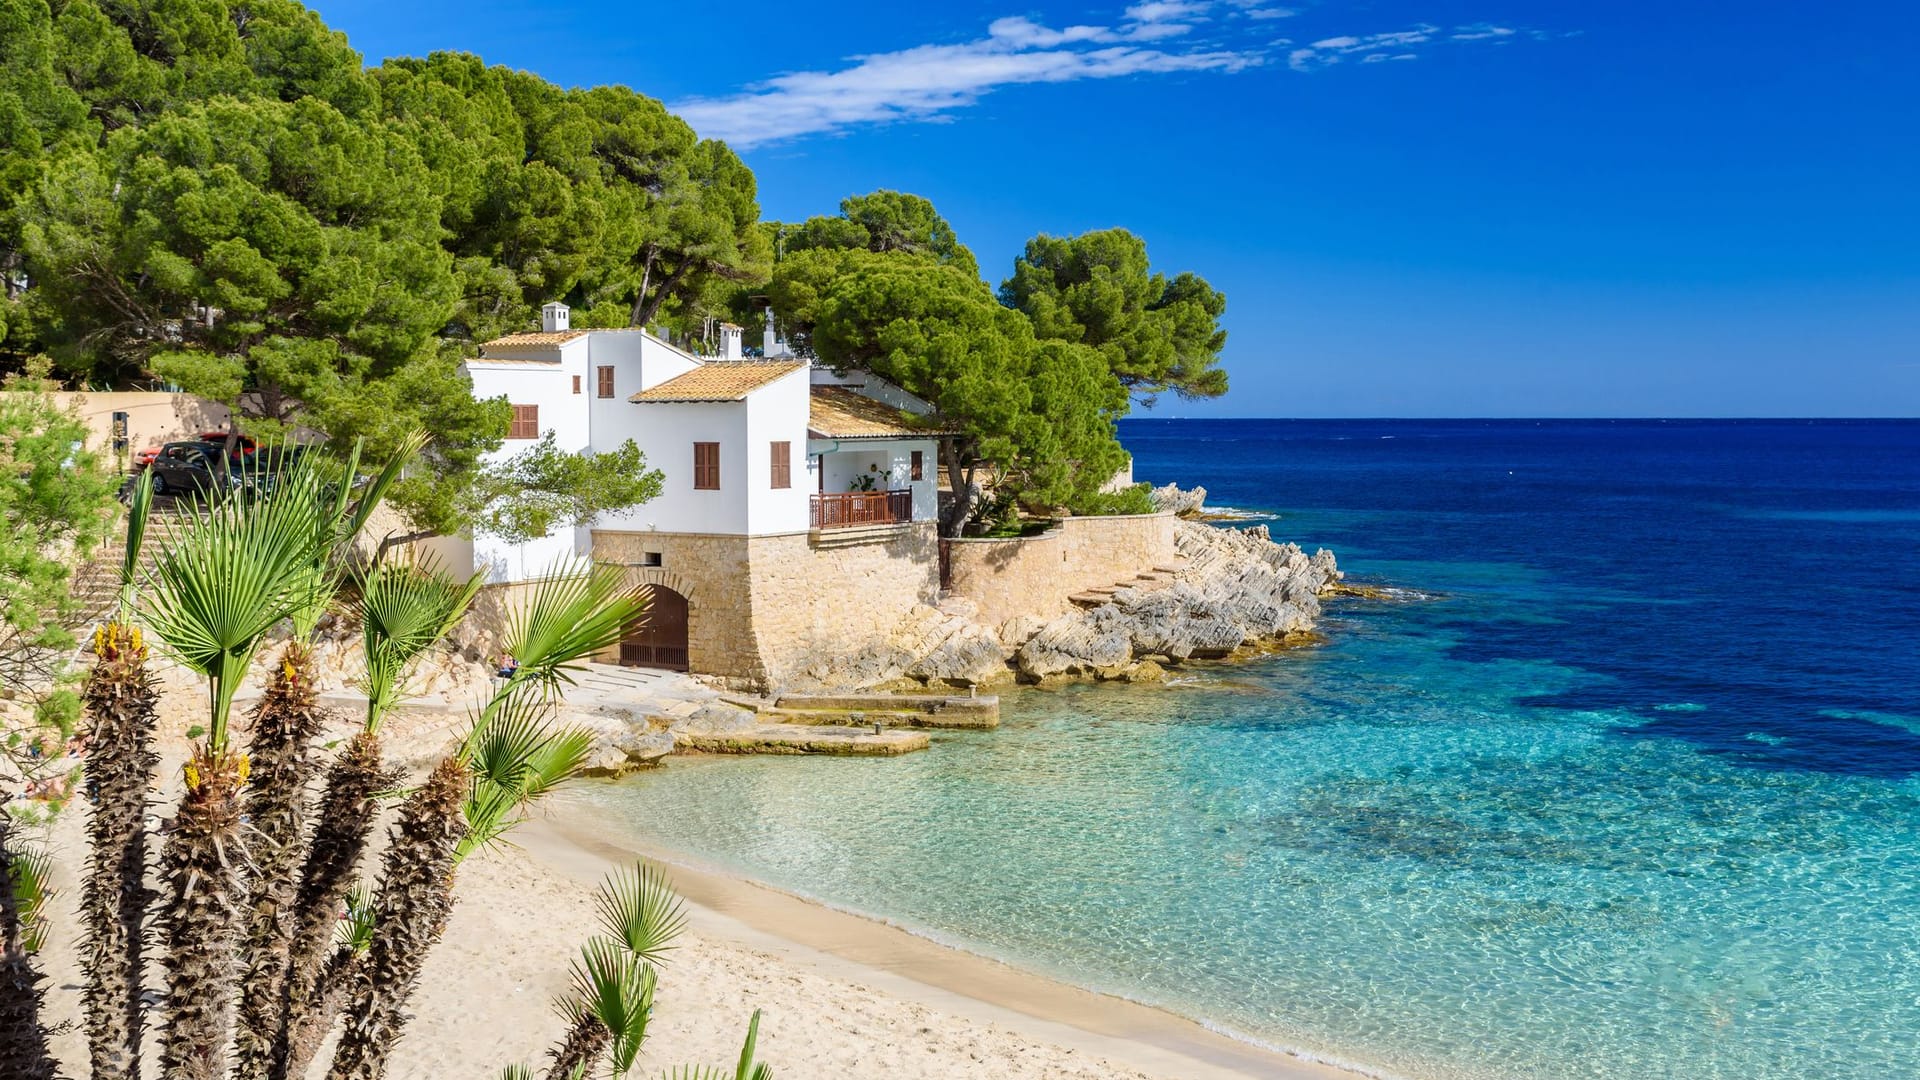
(1568, 813)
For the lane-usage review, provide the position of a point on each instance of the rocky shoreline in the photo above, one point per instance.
(1235, 589)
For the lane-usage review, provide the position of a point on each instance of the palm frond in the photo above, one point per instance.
(617, 987)
(639, 910)
(514, 1072)
(747, 1070)
(374, 492)
(139, 513)
(515, 755)
(694, 1072)
(405, 609)
(31, 873)
(226, 577)
(577, 610)
(357, 925)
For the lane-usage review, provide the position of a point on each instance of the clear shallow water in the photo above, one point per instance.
(1635, 795)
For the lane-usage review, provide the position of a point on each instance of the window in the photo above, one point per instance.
(706, 466)
(649, 558)
(783, 464)
(526, 422)
(576, 384)
(919, 466)
(605, 374)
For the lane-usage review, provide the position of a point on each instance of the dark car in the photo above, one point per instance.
(192, 468)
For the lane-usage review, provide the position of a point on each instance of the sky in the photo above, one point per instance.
(1414, 207)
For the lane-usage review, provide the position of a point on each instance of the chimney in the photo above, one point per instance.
(729, 341)
(553, 316)
(771, 346)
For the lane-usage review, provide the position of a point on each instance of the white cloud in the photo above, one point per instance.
(930, 82)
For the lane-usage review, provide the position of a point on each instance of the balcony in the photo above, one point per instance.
(850, 509)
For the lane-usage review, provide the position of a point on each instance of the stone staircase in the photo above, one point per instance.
(1159, 577)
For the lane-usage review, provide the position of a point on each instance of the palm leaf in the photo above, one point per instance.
(226, 577)
(357, 925)
(139, 512)
(747, 1069)
(617, 987)
(639, 910)
(516, 755)
(405, 609)
(31, 871)
(577, 610)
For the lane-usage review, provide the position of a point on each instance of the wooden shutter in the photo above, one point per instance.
(605, 375)
(526, 422)
(706, 466)
(919, 463)
(783, 464)
(576, 384)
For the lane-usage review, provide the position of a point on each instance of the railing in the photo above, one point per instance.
(839, 510)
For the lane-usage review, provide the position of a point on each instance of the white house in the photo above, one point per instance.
(797, 510)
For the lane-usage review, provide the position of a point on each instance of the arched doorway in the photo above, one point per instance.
(660, 638)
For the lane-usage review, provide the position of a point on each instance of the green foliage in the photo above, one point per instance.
(405, 609)
(28, 873)
(60, 711)
(544, 487)
(883, 221)
(1041, 412)
(1096, 289)
(617, 988)
(56, 506)
(639, 910)
(1135, 499)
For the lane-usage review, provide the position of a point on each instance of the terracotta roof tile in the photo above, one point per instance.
(720, 380)
(536, 339)
(840, 413)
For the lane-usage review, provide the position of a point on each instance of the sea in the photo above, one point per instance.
(1622, 780)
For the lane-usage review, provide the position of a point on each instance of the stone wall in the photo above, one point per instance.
(1035, 575)
(764, 610)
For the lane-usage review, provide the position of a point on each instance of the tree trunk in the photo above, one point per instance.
(202, 867)
(960, 479)
(284, 725)
(113, 900)
(24, 1053)
(645, 305)
(305, 1035)
(343, 824)
(410, 913)
(586, 1040)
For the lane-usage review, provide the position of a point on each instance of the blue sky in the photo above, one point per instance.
(1415, 207)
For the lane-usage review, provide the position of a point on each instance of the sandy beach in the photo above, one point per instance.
(842, 996)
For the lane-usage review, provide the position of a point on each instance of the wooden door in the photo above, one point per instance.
(660, 640)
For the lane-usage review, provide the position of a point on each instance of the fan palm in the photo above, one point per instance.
(405, 610)
(511, 756)
(223, 581)
(280, 749)
(607, 1011)
(120, 701)
(23, 1038)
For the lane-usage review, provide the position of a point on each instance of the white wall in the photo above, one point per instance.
(563, 412)
(640, 362)
(666, 432)
(778, 412)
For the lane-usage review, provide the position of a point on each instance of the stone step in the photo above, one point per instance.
(802, 739)
(1091, 599)
(866, 718)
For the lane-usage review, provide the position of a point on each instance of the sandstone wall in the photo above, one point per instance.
(763, 610)
(1034, 575)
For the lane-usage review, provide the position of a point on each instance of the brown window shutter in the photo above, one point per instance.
(783, 465)
(706, 466)
(576, 384)
(526, 422)
(606, 380)
(919, 466)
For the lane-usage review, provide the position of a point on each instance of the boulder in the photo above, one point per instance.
(1184, 503)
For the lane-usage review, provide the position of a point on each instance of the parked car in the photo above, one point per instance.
(192, 468)
(246, 445)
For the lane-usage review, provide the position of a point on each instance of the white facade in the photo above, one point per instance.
(580, 385)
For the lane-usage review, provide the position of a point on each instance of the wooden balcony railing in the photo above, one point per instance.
(839, 510)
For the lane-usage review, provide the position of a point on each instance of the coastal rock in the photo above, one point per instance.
(970, 656)
(1185, 503)
(716, 717)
